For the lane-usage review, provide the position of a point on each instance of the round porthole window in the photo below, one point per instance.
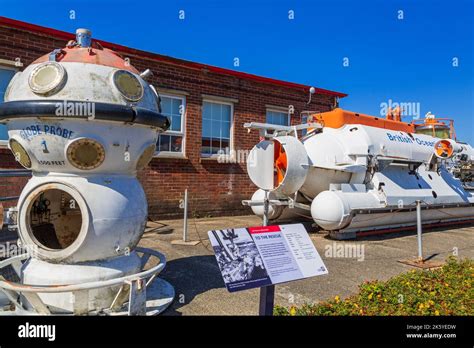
(53, 221)
(21, 155)
(128, 85)
(47, 78)
(85, 154)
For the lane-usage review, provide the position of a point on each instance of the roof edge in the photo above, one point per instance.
(16, 24)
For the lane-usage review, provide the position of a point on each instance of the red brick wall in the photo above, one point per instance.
(214, 188)
(10, 187)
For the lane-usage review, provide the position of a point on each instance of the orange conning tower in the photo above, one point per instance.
(436, 127)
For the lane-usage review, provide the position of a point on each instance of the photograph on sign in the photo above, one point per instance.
(239, 259)
(260, 256)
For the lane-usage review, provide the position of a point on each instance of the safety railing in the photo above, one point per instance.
(27, 301)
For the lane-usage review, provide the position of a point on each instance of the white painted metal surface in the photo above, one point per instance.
(260, 165)
(114, 212)
(357, 170)
(88, 297)
(46, 140)
(82, 214)
(85, 82)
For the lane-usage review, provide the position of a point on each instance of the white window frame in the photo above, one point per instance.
(281, 111)
(222, 101)
(180, 154)
(8, 65)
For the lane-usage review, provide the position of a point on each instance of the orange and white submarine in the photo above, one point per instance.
(356, 174)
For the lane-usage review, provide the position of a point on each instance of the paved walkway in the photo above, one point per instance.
(200, 289)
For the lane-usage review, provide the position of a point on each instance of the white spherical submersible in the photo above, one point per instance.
(84, 121)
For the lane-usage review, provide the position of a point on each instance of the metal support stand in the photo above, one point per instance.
(185, 240)
(420, 262)
(185, 226)
(267, 299)
(146, 293)
(419, 231)
(266, 207)
(267, 293)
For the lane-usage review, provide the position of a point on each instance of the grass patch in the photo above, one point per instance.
(444, 291)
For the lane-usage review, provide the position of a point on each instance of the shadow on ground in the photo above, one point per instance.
(190, 277)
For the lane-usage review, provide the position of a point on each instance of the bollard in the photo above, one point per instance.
(419, 231)
(185, 240)
(185, 226)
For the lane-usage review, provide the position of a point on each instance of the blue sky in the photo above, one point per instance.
(407, 60)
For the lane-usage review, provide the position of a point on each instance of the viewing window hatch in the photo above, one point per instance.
(47, 78)
(128, 85)
(85, 154)
(54, 219)
(436, 127)
(21, 155)
(438, 132)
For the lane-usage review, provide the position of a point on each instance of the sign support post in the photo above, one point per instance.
(267, 293)
(267, 299)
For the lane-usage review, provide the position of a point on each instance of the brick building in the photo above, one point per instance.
(207, 107)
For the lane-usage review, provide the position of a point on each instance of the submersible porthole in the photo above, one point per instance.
(47, 78)
(21, 155)
(85, 154)
(128, 85)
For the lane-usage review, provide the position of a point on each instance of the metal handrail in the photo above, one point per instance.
(14, 291)
(84, 286)
(11, 198)
(10, 173)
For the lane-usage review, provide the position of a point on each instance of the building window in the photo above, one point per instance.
(6, 75)
(216, 127)
(280, 118)
(172, 141)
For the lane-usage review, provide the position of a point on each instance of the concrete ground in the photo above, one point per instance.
(200, 289)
